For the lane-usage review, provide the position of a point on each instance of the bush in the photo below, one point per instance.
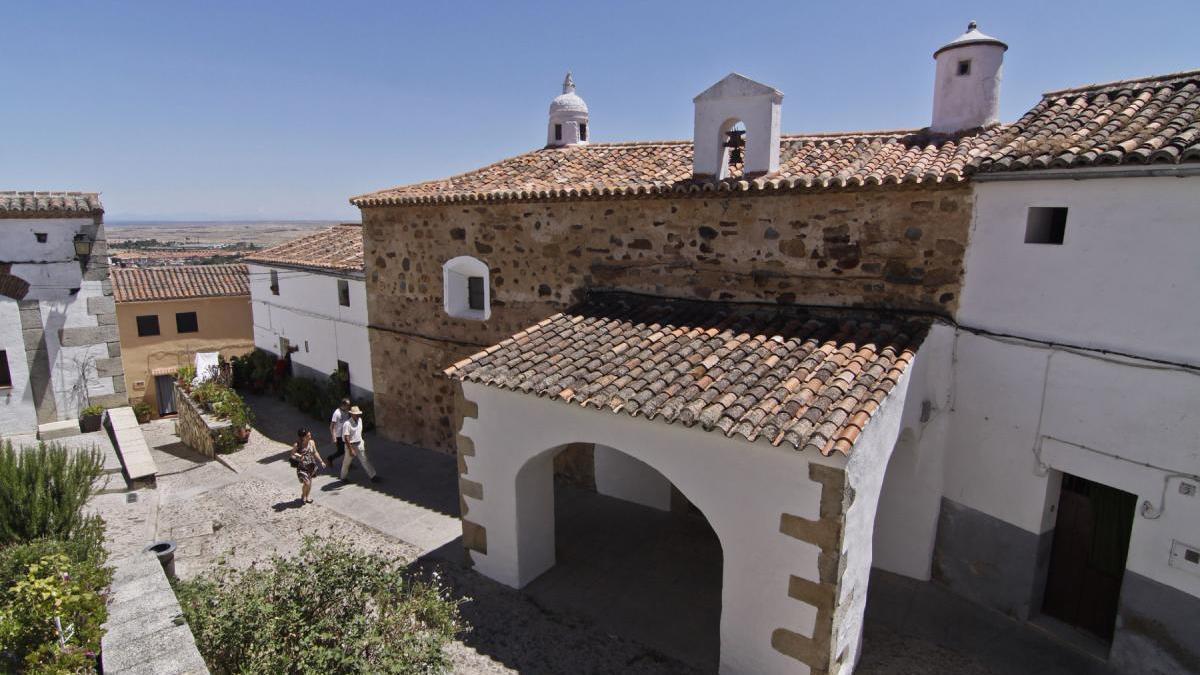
(43, 490)
(185, 375)
(361, 615)
(142, 411)
(43, 579)
(317, 399)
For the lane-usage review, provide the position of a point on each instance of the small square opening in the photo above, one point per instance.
(186, 322)
(343, 292)
(582, 131)
(964, 67)
(1046, 225)
(147, 325)
(274, 282)
(40, 236)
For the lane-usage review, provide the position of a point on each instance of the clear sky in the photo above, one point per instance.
(255, 110)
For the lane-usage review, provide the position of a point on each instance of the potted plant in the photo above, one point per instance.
(89, 418)
(143, 412)
(240, 416)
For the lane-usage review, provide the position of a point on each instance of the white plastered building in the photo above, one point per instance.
(58, 327)
(309, 296)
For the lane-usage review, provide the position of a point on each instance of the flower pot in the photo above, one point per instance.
(242, 434)
(89, 423)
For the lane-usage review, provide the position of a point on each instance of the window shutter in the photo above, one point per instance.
(475, 293)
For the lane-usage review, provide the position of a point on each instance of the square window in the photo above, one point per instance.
(185, 322)
(343, 293)
(274, 282)
(40, 236)
(5, 375)
(475, 293)
(1046, 225)
(964, 67)
(147, 325)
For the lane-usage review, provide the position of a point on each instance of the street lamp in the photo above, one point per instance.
(83, 246)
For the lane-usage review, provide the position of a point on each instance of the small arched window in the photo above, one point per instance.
(466, 291)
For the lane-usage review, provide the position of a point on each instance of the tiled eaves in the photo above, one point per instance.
(1146, 121)
(805, 377)
(21, 204)
(337, 250)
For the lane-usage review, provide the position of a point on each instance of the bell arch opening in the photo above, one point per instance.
(625, 548)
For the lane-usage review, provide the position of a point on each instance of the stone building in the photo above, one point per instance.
(60, 348)
(166, 315)
(309, 296)
(788, 334)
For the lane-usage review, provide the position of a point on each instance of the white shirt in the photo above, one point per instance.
(339, 417)
(352, 430)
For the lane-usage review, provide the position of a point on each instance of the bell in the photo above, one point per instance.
(736, 141)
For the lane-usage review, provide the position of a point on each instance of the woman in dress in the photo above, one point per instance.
(307, 460)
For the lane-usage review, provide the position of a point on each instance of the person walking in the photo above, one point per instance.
(355, 447)
(340, 415)
(306, 459)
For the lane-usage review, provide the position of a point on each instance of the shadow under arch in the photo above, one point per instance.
(648, 573)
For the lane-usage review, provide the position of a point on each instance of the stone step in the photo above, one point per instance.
(131, 444)
(53, 430)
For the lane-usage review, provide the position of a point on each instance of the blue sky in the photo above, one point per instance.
(250, 110)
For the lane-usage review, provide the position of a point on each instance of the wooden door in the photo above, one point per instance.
(1087, 560)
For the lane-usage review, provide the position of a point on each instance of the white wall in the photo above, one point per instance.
(17, 412)
(906, 520)
(621, 476)
(967, 101)
(50, 268)
(73, 369)
(307, 311)
(1124, 279)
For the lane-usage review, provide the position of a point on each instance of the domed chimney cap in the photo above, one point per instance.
(568, 101)
(973, 36)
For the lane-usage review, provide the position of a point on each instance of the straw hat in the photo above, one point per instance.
(355, 410)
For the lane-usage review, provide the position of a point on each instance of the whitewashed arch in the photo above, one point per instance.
(456, 275)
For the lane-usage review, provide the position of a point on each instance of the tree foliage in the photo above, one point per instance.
(329, 609)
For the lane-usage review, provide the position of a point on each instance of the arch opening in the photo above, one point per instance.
(630, 552)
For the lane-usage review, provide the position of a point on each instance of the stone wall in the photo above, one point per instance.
(883, 247)
(197, 430)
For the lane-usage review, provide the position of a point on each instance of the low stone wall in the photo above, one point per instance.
(197, 429)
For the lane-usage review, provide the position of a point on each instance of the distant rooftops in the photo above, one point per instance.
(21, 204)
(1142, 121)
(337, 249)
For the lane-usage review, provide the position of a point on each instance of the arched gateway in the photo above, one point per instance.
(757, 413)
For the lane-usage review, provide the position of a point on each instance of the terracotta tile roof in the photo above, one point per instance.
(1154, 120)
(139, 284)
(806, 163)
(805, 377)
(15, 204)
(339, 248)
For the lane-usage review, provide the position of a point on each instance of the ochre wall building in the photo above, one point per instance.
(165, 315)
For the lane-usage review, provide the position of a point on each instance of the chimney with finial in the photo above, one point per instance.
(966, 88)
(568, 117)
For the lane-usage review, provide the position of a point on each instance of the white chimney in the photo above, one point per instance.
(718, 109)
(966, 88)
(568, 117)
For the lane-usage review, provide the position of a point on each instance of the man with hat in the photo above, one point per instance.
(352, 434)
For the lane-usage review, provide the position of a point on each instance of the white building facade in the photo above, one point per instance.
(309, 296)
(58, 325)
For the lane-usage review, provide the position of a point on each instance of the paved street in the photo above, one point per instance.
(623, 570)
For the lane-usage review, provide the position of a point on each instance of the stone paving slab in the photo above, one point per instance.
(145, 631)
(130, 443)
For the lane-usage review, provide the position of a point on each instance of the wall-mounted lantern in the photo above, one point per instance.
(83, 246)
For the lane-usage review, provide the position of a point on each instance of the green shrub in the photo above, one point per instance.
(185, 375)
(318, 399)
(142, 411)
(43, 490)
(47, 578)
(92, 411)
(360, 614)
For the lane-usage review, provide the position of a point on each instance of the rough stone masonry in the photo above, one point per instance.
(893, 246)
